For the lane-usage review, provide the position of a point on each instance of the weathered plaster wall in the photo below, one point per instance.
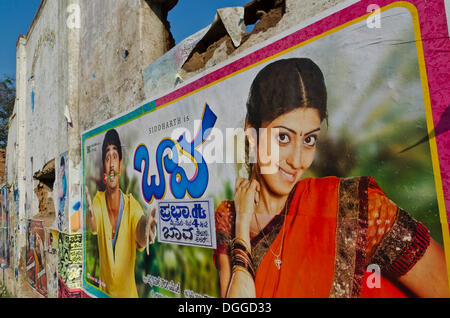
(19, 181)
(11, 150)
(38, 131)
(71, 70)
(15, 181)
(118, 39)
(42, 98)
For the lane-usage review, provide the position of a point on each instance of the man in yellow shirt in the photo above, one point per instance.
(120, 225)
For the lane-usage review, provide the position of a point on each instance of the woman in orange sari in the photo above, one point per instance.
(284, 236)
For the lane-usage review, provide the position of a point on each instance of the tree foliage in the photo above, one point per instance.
(7, 99)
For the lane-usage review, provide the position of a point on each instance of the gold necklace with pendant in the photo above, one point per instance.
(277, 260)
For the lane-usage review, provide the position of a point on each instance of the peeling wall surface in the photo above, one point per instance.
(216, 46)
(269, 22)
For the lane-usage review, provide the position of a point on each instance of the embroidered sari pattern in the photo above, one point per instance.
(351, 237)
(405, 244)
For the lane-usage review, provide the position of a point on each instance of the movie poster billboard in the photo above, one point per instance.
(4, 227)
(63, 192)
(310, 166)
(70, 264)
(35, 256)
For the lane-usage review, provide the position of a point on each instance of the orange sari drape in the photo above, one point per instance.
(318, 260)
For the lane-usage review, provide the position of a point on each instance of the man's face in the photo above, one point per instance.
(112, 166)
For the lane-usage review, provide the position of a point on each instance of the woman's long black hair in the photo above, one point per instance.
(283, 86)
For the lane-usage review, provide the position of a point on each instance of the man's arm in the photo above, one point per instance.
(146, 230)
(91, 221)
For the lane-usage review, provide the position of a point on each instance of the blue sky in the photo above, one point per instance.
(186, 18)
(189, 16)
(15, 18)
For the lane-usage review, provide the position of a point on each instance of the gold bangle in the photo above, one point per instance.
(238, 252)
(243, 243)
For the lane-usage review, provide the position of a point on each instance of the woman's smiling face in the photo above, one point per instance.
(295, 133)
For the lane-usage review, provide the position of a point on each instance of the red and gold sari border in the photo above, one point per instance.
(350, 254)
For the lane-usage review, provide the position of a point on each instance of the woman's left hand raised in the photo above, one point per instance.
(246, 197)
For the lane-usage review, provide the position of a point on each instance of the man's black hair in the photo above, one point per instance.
(62, 162)
(111, 138)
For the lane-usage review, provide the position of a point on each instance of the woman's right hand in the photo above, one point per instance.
(246, 196)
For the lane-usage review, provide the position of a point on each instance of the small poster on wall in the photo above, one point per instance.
(62, 188)
(35, 256)
(70, 264)
(4, 228)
